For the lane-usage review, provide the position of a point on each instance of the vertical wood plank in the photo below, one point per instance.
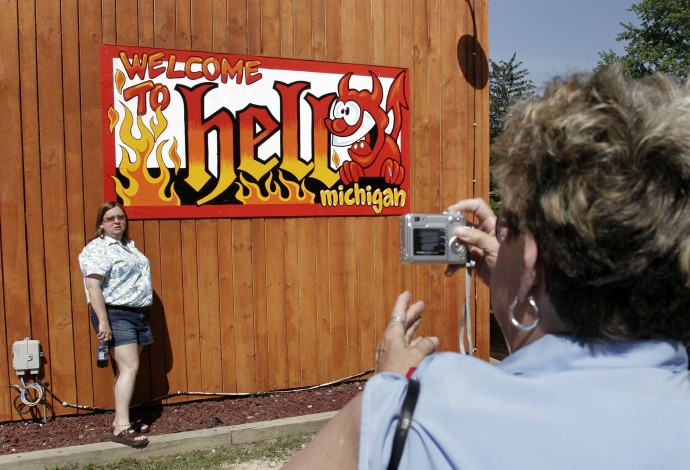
(171, 317)
(257, 234)
(367, 49)
(352, 313)
(333, 321)
(246, 360)
(164, 24)
(127, 27)
(481, 143)
(209, 312)
(366, 280)
(227, 310)
(145, 23)
(421, 109)
(53, 193)
(264, 381)
(321, 245)
(142, 386)
(32, 183)
(323, 305)
(434, 321)
(306, 272)
(292, 307)
(392, 28)
(202, 25)
(75, 197)
(275, 305)
(351, 18)
(97, 24)
(151, 378)
(167, 316)
(237, 26)
(334, 29)
(450, 29)
(306, 42)
(152, 375)
(220, 26)
(271, 42)
(12, 238)
(203, 31)
(408, 52)
(338, 283)
(92, 31)
(380, 275)
(5, 396)
(191, 305)
(293, 314)
(183, 23)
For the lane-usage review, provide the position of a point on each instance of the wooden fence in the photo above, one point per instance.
(242, 305)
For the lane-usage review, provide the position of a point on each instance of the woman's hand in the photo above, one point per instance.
(395, 353)
(480, 238)
(104, 333)
(94, 283)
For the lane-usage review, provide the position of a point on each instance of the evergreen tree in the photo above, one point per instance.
(660, 44)
(508, 84)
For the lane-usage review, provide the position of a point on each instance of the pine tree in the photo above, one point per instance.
(508, 84)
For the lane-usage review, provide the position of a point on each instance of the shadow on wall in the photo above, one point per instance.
(473, 61)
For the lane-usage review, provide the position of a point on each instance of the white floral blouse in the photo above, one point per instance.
(126, 270)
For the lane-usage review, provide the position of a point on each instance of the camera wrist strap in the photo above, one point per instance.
(466, 321)
(404, 421)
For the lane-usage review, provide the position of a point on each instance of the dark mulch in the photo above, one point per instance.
(29, 435)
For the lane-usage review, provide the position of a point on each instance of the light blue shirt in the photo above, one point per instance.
(555, 404)
(126, 270)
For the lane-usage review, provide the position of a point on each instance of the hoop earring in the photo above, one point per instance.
(518, 325)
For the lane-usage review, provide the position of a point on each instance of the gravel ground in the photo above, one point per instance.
(25, 436)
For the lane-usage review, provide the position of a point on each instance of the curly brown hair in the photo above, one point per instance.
(598, 170)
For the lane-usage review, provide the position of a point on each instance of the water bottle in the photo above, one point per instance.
(102, 355)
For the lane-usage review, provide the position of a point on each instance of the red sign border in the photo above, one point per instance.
(110, 51)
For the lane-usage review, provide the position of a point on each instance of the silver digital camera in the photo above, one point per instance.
(428, 238)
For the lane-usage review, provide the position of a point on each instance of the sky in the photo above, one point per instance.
(556, 37)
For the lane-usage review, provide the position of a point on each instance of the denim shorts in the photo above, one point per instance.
(128, 326)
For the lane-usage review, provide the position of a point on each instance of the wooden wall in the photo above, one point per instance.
(242, 305)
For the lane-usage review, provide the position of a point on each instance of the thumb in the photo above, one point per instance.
(475, 237)
(425, 344)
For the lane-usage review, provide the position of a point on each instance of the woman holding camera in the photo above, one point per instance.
(589, 269)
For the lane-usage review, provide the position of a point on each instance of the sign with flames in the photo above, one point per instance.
(194, 134)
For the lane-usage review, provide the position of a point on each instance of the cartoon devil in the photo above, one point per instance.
(357, 120)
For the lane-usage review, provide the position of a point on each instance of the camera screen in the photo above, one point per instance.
(429, 241)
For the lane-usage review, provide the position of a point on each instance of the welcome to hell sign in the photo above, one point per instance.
(192, 134)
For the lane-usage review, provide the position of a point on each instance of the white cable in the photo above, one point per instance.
(466, 313)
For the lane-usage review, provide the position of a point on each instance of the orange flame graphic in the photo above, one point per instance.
(144, 189)
(119, 80)
(282, 191)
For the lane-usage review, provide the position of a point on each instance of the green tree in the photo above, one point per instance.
(508, 84)
(660, 44)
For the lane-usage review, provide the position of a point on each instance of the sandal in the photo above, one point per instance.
(141, 427)
(128, 437)
(138, 426)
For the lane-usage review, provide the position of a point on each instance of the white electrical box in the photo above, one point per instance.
(27, 356)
